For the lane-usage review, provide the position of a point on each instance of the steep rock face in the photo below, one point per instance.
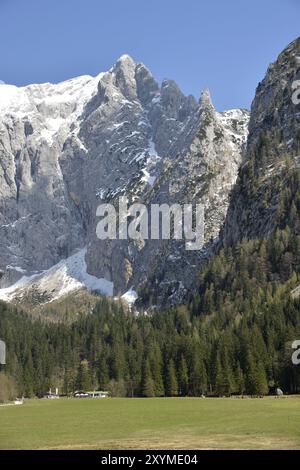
(272, 154)
(198, 166)
(66, 148)
(204, 174)
(39, 222)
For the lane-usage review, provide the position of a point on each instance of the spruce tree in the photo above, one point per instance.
(183, 377)
(83, 381)
(147, 385)
(171, 385)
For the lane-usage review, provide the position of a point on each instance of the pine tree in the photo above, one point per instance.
(198, 377)
(83, 381)
(103, 375)
(147, 385)
(256, 382)
(183, 377)
(171, 385)
(156, 368)
(239, 380)
(69, 381)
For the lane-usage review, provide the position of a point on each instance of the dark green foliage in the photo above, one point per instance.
(248, 351)
(171, 386)
(233, 337)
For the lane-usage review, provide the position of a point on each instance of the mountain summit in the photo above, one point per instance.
(67, 147)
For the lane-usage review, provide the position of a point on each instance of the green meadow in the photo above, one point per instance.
(158, 423)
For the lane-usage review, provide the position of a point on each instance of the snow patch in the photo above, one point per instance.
(16, 268)
(156, 99)
(147, 178)
(65, 277)
(59, 105)
(130, 297)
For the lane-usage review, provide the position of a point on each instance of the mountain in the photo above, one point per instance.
(272, 159)
(234, 331)
(65, 148)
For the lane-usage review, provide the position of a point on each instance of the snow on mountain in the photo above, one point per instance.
(58, 106)
(130, 296)
(67, 147)
(67, 276)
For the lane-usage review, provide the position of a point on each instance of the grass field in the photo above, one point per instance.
(161, 423)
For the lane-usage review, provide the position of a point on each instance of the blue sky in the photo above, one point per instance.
(223, 44)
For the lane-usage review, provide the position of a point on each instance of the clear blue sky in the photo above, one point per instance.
(223, 44)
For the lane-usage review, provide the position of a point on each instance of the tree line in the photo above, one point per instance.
(173, 353)
(234, 336)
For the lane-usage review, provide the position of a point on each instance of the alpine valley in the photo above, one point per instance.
(216, 321)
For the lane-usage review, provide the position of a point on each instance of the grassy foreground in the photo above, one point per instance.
(159, 423)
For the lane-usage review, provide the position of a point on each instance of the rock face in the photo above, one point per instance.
(203, 174)
(273, 150)
(66, 148)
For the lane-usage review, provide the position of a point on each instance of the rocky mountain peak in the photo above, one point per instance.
(272, 106)
(272, 152)
(66, 148)
(205, 100)
(124, 73)
(125, 63)
(147, 87)
(171, 97)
